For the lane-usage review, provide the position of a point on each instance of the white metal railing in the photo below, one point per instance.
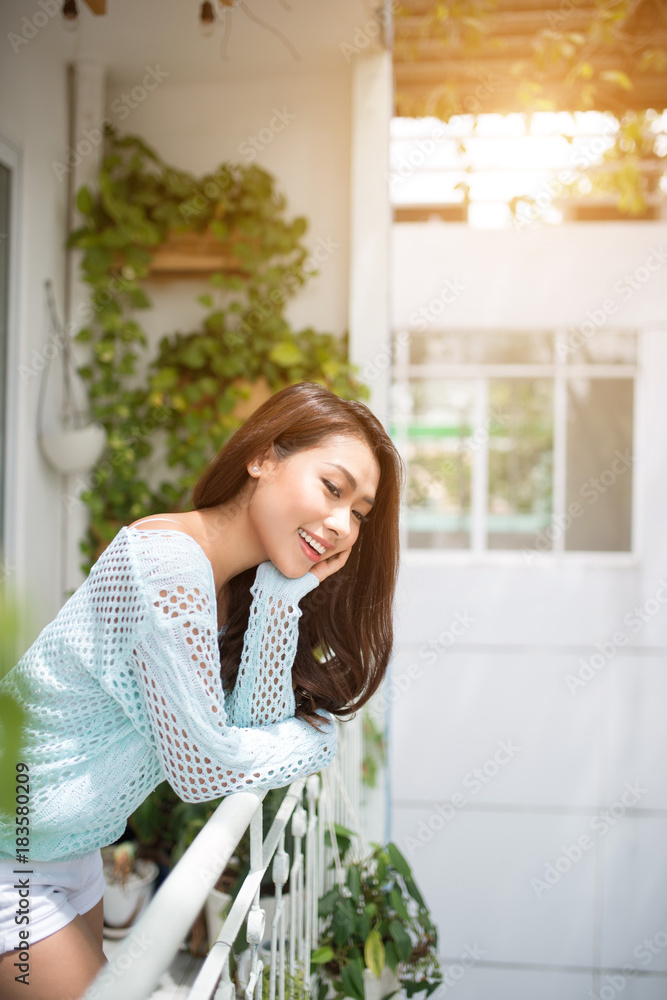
(148, 950)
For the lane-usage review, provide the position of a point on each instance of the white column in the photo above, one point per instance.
(370, 305)
(87, 111)
(370, 228)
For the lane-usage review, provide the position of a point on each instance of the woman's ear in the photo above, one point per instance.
(254, 467)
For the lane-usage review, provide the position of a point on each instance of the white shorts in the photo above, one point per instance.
(56, 892)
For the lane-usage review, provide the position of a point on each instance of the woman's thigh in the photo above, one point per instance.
(95, 920)
(62, 965)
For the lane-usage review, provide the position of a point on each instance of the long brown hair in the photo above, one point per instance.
(346, 630)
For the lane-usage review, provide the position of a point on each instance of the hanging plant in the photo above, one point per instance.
(195, 386)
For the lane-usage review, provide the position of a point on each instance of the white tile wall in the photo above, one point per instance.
(634, 895)
(637, 728)
(450, 718)
(653, 988)
(475, 873)
(513, 984)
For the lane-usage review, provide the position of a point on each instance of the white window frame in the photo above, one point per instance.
(559, 371)
(10, 157)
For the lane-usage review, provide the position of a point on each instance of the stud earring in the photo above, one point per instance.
(255, 469)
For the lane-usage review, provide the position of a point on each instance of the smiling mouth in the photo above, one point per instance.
(309, 540)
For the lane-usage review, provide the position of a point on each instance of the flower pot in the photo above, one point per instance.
(217, 905)
(74, 450)
(377, 988)
(123, 903)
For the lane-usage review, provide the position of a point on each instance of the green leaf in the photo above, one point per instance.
(391, 955)
(84, 201)
(286, 354)
(327, 902)
(220, 229)
(354, 882)
(343, 922)
(397, 902)
(374, 954)
(353, 982)
(414, 892)
(398, 861)
(322, 955)
(401, 939)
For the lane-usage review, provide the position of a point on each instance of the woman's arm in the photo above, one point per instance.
(263, 692)
(177, 668)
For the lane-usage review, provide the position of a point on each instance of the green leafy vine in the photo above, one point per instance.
(190, 392)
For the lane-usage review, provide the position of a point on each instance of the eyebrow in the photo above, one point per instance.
(351, 480)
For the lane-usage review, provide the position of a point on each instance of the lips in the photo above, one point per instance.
(315, 541)
(309, 550)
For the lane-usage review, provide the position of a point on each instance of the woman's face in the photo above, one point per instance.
(324, 492)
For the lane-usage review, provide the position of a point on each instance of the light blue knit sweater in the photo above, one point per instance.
(122, 690)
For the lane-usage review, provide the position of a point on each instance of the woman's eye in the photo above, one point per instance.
(359, 516)
(332, 489)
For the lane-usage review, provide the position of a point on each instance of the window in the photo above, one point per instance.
(516, 441)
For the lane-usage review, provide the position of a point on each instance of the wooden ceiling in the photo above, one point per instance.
(443, 70)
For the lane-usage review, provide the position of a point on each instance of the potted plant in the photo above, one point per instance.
(378, 936)
(130, 883)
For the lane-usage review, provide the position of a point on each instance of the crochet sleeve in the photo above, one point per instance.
(177, 663)
(263, 692)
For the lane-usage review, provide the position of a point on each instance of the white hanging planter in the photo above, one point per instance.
(376, 988)
(74, 450)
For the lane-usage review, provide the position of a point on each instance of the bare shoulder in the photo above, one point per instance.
(174, 522)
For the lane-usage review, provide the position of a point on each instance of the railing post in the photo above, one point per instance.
(256, 916)
(299, 826)
(312, 792)
(280, 874)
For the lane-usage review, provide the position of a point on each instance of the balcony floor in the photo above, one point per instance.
(175, 983)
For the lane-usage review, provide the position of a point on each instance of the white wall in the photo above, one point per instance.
(309, 159)
(33, 119)
(505, 678)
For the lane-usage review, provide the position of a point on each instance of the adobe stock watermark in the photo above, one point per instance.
(424, 149)
(615, 982)
(582, 157)
(635, 619)
(625, 287)
(134, 947)
(473, 781)
(591, 491)
(254, 144)
(55, 342)
(366, 34)
(418, 320)
(599, 825)
(454, 972)
(104, 469)
(430, 652)
(122, 106)
(30, 26)
(293, 278)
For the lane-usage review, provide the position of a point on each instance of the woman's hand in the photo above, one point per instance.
(326, 567)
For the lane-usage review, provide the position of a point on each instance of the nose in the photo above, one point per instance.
(339, 521)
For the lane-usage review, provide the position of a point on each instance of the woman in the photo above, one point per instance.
(129, 685)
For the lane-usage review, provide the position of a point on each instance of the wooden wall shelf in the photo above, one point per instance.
(192, 255)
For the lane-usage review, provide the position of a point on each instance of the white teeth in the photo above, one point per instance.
(311, 541)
